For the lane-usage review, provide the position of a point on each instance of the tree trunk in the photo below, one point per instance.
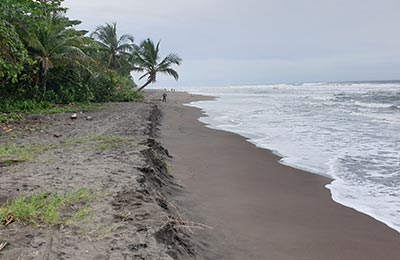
(44, 86)
(36, 89)
(145, 85)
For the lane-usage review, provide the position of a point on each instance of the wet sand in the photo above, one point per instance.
(260, 209)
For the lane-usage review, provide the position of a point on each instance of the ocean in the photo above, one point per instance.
(349, 132)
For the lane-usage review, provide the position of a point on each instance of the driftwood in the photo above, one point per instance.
(178, 221)
(3, 245)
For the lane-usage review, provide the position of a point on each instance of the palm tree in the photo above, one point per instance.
(55, 45)
(115, 50)
(147, 58)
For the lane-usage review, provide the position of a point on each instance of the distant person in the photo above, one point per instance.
(164, 97)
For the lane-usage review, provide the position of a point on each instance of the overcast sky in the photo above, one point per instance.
(261, 41)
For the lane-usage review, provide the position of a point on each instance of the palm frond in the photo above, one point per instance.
(115, 51)
(172, 73)
(146, 56)
(126, 38)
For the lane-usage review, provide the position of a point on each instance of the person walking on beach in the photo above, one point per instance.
(164, 97)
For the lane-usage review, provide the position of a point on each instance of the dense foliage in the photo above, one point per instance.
(13, 55)
(43, 57)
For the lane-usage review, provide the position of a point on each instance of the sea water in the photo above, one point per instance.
(349, 132)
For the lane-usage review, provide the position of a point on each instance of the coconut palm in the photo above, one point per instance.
(147, 58)
(54, 45)
(115, 50)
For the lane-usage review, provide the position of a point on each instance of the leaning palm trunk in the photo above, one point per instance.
(146, 58)
(145, 85)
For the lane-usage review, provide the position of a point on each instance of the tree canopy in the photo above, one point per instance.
(147, 58)
(114, 51)
(44, 57)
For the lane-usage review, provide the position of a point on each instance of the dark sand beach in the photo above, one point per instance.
(258, 208)
(115, 157)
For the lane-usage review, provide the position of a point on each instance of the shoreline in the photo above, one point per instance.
(279, 156)
(292, 204)
(273, 152)
(256, 207)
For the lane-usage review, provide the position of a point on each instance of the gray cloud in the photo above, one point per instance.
(261, 41)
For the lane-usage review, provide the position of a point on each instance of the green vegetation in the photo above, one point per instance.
(148, 58)
(98, 142)
(99, 231)
(13, 111)
(114, 51)
(44, 107)
(82, 195)
(101, 142)
(47, 208)
(9, 118)
(109, 142)
(81, 214)
(45, 60)
(11, 153)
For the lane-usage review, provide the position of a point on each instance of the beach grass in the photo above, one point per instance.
(14, 111)
(46, 208)
(8, 118)
(12, 153)
(98, 142)
(32, 107)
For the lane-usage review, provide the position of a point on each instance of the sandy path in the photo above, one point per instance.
(259, 208)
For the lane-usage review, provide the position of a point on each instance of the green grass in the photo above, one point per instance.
(45, 208)
(99, 142)
(13, 111)
(80, 196)
(99, 231)
(10, 118)
(94, 138)
(68, 108)
(32, 107)
(108, 142)
(12, 152)
(81, 214)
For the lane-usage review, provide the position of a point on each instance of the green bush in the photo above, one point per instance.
(125, 95)
(9, 118)
(26, 106)
(11, 110)
(13, 54)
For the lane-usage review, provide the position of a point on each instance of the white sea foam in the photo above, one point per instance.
(375, 105)
(348, 132)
